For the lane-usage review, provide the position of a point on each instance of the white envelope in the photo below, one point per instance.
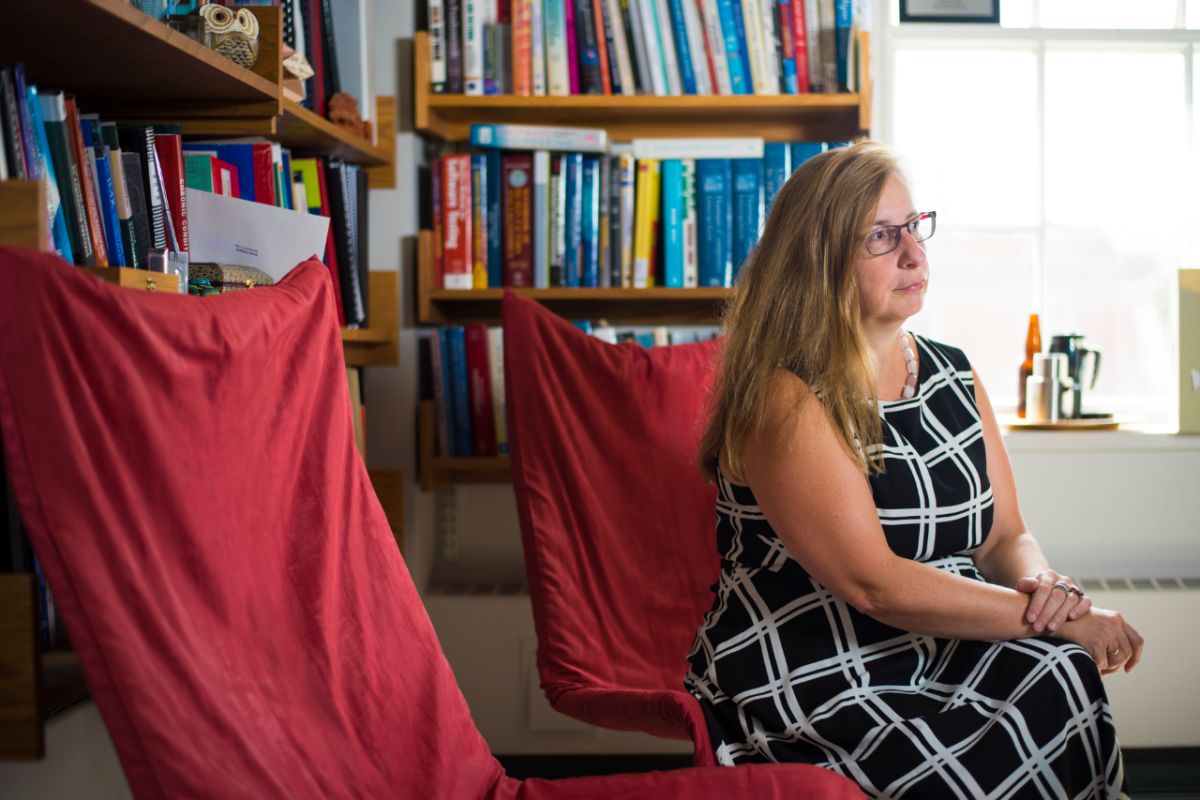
(243, 233)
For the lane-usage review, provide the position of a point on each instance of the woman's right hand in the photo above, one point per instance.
(1112, 642)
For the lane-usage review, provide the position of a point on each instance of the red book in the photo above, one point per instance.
(516, 170)
(800, 42)
(169, 147)
(602, 46)
(456, 222)
(225, 178)
(87, 182)
(435, 179)
(479, 382)
(264, 173)
(315, 47)
(330, 250)
(708, 48)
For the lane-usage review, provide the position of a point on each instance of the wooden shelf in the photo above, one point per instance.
(33, 685)
(437, 471)
(22, 214)
(115, 58)
(661, 306)
(378, 345)
(775, 118)
(303, 131)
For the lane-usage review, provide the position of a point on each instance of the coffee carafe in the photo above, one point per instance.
(1071, 345)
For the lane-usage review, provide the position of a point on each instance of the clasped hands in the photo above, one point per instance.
(1059, 608)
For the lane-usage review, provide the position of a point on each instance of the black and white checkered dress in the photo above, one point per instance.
(785, 671)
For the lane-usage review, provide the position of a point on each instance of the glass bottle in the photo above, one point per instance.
(1033, 344)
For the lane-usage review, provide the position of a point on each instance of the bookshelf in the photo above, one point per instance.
(128, 67)
(448, 117)
(775, 118)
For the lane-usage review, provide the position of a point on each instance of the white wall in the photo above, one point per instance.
(80, 763)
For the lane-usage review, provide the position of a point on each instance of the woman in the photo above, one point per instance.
(882, 609)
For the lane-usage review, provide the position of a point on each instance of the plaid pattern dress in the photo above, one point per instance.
(785, 671)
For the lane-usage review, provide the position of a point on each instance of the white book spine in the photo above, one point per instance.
(691, 257)
(772, 58)
(537, 47)
(621, 45)
(558, 78)
(712, 29)
(812, 23)
(755, 51)
(654, 56)
(540, 137)
(627, 172)
(472, 46)
(726, 147)
(647, 71)
(666, 40)
(437, 41)
(495, 341)
(695, 36)
(541, 219)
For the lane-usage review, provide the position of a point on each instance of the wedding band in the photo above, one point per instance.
(1066, 587)
(1113, 653)
(1076, 590)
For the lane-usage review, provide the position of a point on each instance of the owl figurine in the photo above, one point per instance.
(232, 32)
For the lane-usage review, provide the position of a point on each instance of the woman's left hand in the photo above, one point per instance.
(1053, 600)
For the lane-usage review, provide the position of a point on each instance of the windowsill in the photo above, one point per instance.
(1132, 437)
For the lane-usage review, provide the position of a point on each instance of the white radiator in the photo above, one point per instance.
(1158, 705)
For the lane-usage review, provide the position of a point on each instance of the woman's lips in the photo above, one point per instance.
(915, 286)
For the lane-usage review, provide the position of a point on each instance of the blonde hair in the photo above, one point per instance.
(797, 308)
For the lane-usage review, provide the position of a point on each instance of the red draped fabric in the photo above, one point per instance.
(186, 472)
(616, 520)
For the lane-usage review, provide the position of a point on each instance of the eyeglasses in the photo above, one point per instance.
(886, 238)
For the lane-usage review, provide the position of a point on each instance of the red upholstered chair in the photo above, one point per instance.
(616, 520)
(186, 473)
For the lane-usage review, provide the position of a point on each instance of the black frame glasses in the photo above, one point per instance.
(883, 239)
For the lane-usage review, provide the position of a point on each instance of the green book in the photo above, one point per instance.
(197, 171)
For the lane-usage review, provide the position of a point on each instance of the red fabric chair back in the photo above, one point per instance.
(616, 520)
(187, 475)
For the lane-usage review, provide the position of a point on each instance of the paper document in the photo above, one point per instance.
(243, 233)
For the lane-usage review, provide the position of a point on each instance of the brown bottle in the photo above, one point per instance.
(1033, 344)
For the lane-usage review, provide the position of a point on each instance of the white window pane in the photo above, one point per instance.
(981, 293)
(1107, 13)
(1016, 14)
(965, 122)
(1115, 155)
(1193, 13)
(1120, 300)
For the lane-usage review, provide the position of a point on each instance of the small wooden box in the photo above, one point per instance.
(137, 278)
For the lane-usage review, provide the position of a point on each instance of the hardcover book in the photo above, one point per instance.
(540, 137)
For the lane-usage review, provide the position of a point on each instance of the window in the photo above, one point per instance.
(1060, 151)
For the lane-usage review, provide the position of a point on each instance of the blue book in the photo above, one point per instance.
(747, 208)
(732, 28)
(672, 222)
(584, 325)
(646, 339)
(589, 235)
(445, 393)
(843, 16)
(714, 220)
(835, 145)
(803, 151)
(776, 169)
(289, 201)
(682, 49)
(460, 393)
(108, 209)
(25, 143)
(58, 219)
(573, 179)
(539, 137)
(241, 155)
(791, 83)
(495, 222)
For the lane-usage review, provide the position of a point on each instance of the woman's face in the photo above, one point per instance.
(891, 287)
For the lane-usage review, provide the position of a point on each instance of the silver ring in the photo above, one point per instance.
(1076, 591)
(1063, 585)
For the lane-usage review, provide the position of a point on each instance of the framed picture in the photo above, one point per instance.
(950, 11)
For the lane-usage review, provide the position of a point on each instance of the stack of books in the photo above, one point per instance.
(658, 47)
(118, 193)
(561, 207)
